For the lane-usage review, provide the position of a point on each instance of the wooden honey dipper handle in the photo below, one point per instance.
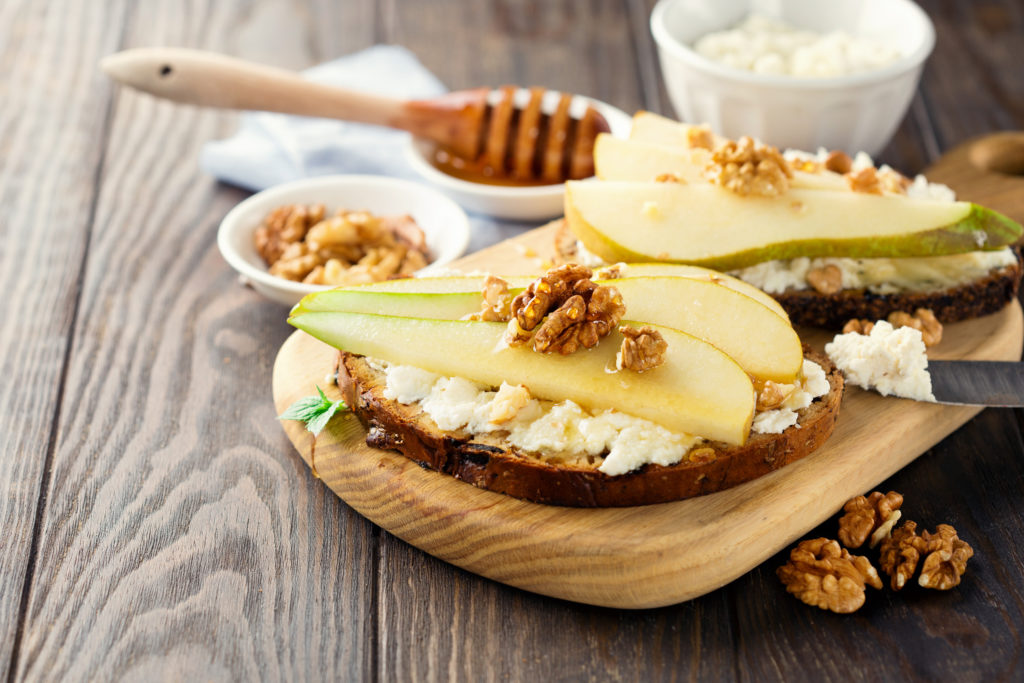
(214, 80)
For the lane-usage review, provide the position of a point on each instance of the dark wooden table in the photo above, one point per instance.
(156, 523)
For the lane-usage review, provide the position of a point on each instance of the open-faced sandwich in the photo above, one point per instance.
(579, 389)
(830, 237)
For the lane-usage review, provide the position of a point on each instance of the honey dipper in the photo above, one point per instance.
(483, 127)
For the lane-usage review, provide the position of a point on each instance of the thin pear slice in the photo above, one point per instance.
(762, 342)
(698, 390)
(448, 298)
(618, 159)
(631, 270)
(710, 226)
(658, 130)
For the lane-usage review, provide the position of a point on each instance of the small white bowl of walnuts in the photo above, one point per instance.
(318, 233)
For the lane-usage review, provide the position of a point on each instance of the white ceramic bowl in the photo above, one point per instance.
(854, 113)
(444, 224)
(515, 203)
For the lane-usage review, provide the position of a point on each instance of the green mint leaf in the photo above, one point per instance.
(304, 409)
(317, 424)
(315, 411)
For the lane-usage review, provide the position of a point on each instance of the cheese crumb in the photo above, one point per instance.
(813, 385)
(891, 361)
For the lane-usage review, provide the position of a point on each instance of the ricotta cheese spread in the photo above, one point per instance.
(565, 429)
(890, 361)
(769, 46)
(881, 275)
(800, 395)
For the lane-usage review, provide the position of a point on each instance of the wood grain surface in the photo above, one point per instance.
(639, 557)
(157, 524)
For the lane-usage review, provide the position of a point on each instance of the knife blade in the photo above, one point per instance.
(978, 382)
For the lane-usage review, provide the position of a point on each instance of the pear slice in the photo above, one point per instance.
(762, 342)
(659, 130)
(448, 298)
(618, 159)
(631, 270)
(697, 390)
(710, 226)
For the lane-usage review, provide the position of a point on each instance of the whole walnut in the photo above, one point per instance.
(822, 574)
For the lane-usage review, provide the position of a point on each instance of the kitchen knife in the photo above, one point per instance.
(978, 382)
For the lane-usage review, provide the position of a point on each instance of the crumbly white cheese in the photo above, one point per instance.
(881, 275)
(919, 188)
(587, 258)
(406, 383)
(455, 403)
(890, 361)
(769, 46)
(774, 421)
(813, 384)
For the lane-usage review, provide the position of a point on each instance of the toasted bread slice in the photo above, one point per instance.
(811, 308)
(489, 462)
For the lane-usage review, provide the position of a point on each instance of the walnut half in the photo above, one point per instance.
(945, 557)
(567, 310)
(497, 303)
(747, 167)
(923, 320)
(822, 574)
(871, 517)
(642, 349)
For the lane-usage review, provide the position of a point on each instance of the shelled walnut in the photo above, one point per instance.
(870, 180)
(923, 320)
(838, 161)
(497, 303)
(351, 247)
(871, 516)
(642, 349)
(565, 311)
(700, 137)
(822, 574)
(944, 556)
(284, 226)
(772, 395)
(827, 279)
(747, 167)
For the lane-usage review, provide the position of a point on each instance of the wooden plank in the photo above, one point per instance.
(180, 540)
(579, 47)
(972, 84)
(53, 125)
(470, 629)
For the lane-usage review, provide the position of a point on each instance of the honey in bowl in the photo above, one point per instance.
(477, 171)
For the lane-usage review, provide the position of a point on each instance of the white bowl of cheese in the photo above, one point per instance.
(847, 90)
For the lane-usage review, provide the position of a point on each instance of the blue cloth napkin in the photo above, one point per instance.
(274, 148)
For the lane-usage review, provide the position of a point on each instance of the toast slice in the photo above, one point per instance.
(489, 462)
(808, 307)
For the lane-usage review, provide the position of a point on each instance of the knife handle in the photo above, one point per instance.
(213, 80)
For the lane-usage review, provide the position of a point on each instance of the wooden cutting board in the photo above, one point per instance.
(636, 557)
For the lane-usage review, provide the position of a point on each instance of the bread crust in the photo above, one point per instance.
(807, 307)
(486, 461)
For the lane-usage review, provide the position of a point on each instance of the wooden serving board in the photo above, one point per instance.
(637, 557)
